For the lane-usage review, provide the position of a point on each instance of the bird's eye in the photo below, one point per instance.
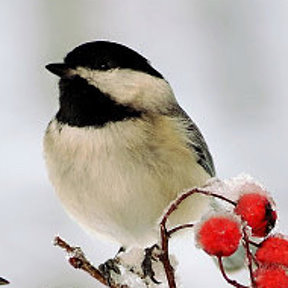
(104, 66)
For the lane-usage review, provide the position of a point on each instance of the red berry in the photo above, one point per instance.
(219, 235)
(256, 209)
(271, 277)
(273, 250)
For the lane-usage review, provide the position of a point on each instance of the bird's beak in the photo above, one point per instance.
(59, 69)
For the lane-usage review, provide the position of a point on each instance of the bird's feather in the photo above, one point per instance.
(197, 141)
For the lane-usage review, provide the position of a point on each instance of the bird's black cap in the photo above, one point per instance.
(103, 55)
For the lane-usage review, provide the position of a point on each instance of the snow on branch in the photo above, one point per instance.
(78, 260)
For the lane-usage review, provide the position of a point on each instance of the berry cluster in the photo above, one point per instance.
(253, 215)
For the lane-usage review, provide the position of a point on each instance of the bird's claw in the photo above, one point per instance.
(107, 268)
(147, 264)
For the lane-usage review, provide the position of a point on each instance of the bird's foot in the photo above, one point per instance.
(108, 268)
(146, 265)
(111, 266)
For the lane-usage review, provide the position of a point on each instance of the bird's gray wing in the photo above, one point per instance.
(197, 141)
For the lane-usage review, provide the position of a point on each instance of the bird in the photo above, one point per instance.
(120, 148)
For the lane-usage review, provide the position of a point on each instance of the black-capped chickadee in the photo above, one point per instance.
(120, 148)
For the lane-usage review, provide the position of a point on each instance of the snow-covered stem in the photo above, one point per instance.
(79, 261)
(248, 255)
(173, 207)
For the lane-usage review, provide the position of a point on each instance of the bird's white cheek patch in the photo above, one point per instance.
(129, 87)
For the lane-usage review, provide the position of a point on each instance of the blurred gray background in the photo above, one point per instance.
(227, 62)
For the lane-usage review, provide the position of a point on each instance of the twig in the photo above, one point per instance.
(178, 228)
(248, 254)
(257, 245)
(79, 261)
(230, 281)
(183, 196)
(169, 271)
(4, 281)
(164, 257)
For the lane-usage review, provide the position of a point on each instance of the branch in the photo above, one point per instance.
(169, 270)
(248, 255)
(78, 260)
(164, 257)
(183, 196)
(179, 228)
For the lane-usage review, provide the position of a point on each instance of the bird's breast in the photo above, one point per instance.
(117, 180)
